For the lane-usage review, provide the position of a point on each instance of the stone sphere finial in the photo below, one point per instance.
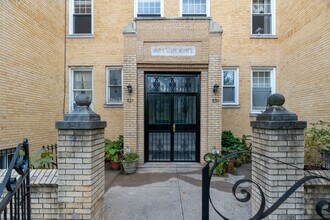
(276, 99)
(83, 100)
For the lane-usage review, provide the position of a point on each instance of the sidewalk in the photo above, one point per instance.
(170, 192)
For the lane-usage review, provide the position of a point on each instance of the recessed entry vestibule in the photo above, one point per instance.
(172, 116)
(172, 112)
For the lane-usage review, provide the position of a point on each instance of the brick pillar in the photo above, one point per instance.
(214, 111)
(130, 100)
(81, 163)
(278, 134)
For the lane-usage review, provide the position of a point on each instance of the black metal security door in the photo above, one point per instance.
(172, 117)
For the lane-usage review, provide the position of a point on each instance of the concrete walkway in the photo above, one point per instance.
(170, 192)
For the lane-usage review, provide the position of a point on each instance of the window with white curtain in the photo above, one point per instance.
(263, 13)
(81, 81)
(230, 86)
(114, 85)
(195, 7)
(81, 17)
(263, 85)
(148, 8)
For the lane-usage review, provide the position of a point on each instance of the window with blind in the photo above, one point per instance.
(263, 85)
(148, 8)
(263, 17)
(230, 86)
(81, 17)
(114, 86)
(195, 7)
(81, 82)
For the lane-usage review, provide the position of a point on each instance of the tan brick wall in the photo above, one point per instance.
(102, 50)
(308, 26)
(32, 71)
(304, 77)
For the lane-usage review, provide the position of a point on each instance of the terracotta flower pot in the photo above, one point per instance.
(115, 165)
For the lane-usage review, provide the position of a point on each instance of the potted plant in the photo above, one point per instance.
(130, 162)
(113, 151)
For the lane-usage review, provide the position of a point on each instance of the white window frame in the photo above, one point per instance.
(273, 16)
(136, 8)
(236, 85)
(71, 12)
(207, 8)
(272, 82)
(71, 94)
(107, 85)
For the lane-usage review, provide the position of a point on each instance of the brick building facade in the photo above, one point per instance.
(250, 48)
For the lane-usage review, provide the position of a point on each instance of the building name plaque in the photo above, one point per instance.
(182, 51)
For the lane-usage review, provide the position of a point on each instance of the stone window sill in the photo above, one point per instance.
(110, 105)
(262, 36)
(254, 114)
(81, 36)
(230, 106)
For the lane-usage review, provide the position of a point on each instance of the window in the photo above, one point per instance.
(263, 85)
(195, 8)
(230, 86)
(114, 86)
(5, 157)
(148, 8)
(81, 81)
(81, 19)
(263, 17)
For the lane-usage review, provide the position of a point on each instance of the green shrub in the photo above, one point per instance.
(231, 144)
(114, 149)
(131, 157)
(222, 168)
(40, 158)
(317, 139)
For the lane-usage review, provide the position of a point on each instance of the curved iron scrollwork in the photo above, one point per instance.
(172, 84)
(156, 84)
(187, 84)
(321, 207)
(18, 187)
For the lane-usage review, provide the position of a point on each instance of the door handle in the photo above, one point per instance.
(173, 128)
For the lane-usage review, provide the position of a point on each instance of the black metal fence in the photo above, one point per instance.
(15, 187)
(207, 173)
(52, 150)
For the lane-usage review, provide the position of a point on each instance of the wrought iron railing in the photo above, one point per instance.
(15, 187)
(262, 213)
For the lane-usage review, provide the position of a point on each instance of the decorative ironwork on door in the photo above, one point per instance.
(172, 117)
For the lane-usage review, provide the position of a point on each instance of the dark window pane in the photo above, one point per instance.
(229, 94)
(82, 24)
(262, 24)
(115, 77)
(115, 94)
(259, 98)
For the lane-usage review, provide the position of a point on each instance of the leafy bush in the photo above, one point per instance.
(231, 144)
(222, 168)
(131, 157)
(317, 140)
(40, 158)
(114, 149)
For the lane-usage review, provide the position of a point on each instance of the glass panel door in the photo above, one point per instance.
(172, 117)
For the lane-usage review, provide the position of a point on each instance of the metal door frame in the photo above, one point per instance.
(146, 112)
